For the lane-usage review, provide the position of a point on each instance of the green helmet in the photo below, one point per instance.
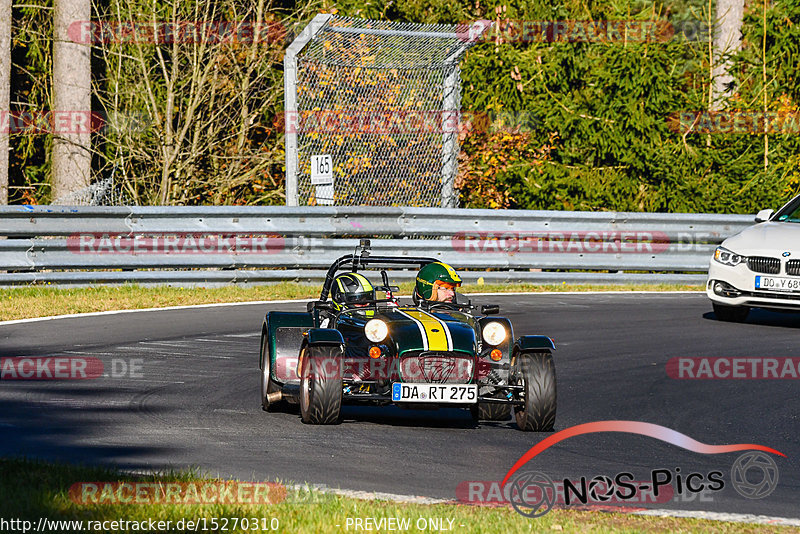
(351, 288)
(432, 273)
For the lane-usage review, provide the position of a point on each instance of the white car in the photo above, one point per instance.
(758, 267)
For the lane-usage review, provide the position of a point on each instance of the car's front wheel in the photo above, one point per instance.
(536, 373)
(321, 385)
(733, 314)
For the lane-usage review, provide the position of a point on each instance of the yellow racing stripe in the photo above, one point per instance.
(435, 330)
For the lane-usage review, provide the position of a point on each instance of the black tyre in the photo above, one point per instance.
(321, 386)
(267, 385)
(536, 372)
(486, 411)
(733, 314)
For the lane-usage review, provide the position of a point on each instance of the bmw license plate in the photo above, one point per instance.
(773, 283)
(450, 393)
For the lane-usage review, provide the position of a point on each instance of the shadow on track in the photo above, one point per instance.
(54, 423)
(401, 417)
(762, 317)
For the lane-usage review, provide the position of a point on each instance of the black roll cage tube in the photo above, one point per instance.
(362, 260)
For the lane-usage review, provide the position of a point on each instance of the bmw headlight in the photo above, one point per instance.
(494, 333)
(376, 330)
(726, 257)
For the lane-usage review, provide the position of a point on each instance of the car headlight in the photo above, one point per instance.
(494, 333)
(376, 330)
(726, 257)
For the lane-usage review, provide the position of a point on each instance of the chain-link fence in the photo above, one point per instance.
(372, 112)
(105, 192)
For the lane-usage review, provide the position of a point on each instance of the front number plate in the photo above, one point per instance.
(449, 393)
(772, 283)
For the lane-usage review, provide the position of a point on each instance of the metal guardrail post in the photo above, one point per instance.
(451, 111)
(291, 119)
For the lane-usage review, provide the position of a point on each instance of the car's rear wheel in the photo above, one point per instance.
(321, 385)
(267, 385)
(536, 373)
(733, 314)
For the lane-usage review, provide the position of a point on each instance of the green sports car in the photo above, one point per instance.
(352, 347)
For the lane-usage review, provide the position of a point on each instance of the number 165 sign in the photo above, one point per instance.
(321, 170)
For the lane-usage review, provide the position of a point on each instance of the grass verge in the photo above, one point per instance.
(34, 490)
(38, 301)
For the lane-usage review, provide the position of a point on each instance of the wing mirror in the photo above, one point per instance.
(322, 306)
(387, 288)
(490, 309)
(764, 215)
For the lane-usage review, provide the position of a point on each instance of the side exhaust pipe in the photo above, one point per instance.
(274, 397)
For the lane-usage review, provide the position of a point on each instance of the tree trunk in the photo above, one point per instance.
(727, 41)
(5, 94)
(72, 105)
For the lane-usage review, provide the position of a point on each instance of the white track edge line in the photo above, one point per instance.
(166, 308)
(289, 301)
(372, 495)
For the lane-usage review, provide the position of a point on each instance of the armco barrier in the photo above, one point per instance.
(221, 245)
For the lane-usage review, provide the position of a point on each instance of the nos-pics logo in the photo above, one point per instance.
(753, 475)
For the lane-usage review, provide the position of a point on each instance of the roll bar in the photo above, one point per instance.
(361, 257)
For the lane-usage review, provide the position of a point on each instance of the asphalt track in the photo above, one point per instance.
(194, 402)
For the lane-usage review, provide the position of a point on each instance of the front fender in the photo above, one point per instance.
(284, 336)
(525, 343)
(316, 337)
(325, 336)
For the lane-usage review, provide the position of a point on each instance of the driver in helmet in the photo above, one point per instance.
(437, 282)
(351, 289)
